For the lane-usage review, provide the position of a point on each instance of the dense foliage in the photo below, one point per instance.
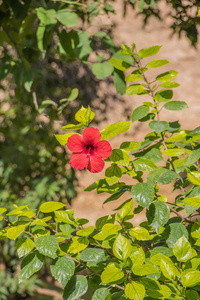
(159, 259)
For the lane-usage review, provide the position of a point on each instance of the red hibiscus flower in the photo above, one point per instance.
(88, 150)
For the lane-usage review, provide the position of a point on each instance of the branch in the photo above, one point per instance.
(71, 2)
(48, 292)
(35, 100)
(14, 43)
(171, 163)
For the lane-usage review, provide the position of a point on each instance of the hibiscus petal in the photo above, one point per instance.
(103, 149)
(96, 164)
(79, 161)
(91, 136)
(75, 143)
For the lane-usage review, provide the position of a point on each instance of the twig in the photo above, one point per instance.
(92, 271)
(119, 287)
(48, 292)
(175, 212)
(70, 2)
(171, 163)
(35, 100)
(174, 204)
(14, 43)
(83, 264)
(149, 86)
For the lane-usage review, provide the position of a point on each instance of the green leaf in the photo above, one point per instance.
(102, 70)
(111, 228)
(78, 244)
(156, 258)
(75, 288)
(158, 175)
(140, 233)
(73, 127)
(114, 129)
(67, 17)
(167, 76)
(190, 278)
(40, 36)
(143, 194)
(50, 206)
(121, 61)
(126, 209)
(192, 201)
(158, 214)
(63, 138)
(102, 294)
(141, 4)
(173, 152)
(93, 255)
(169, 84)
(137, 256)
(192, 294)
(176, 138)
(134, 89)
(175, 105)
(62, 269)
(2, 210)
(167, 177)
(17, 211)
(47, 245)
(150, 284)
(112, 274)
(28, 80)
(84, 115)
(47, 17)
(169, 270)
(119, 64)
(145, 269)
(14, 232)
(194, 177)
(104, 220)
(135, 291)
(122, 247)
(140, 112)
(73, 94)
(194, 132)
(113, 174)
(45, 104)
(144, 164)
(24, 246)
(182, 249)
(163, 95)
(120, 157)
(85, 231)
(31, 264)
(193, 157)
(150, 51)
(164, 292)
(65, 216)
(173, 126)
(158, 126)
(157, 63)
(154, 154)
(173, 232)
(119, 81)
(126, 50)
(118, 193)
(128, 146)
(179, 164)
(133, 77)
